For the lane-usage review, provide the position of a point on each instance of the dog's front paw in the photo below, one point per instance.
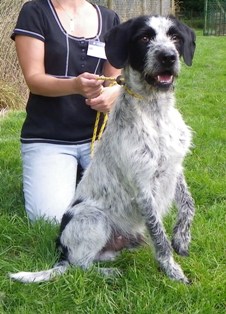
(180, 243)
(174, 271)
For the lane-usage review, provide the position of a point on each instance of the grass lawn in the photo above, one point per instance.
(143, 289)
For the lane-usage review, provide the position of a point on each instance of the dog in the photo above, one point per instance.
(136, 173)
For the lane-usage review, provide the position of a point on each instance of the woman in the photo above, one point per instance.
(59, 44)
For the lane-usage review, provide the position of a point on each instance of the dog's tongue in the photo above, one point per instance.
(165, 78)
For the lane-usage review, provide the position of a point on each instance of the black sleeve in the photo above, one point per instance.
(116, 20)
(30, 21)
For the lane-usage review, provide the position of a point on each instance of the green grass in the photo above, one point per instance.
(143, 289)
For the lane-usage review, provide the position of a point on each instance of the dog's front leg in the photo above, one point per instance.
(161, 244)
(186, 210)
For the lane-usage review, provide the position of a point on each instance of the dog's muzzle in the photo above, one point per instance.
(164, 77)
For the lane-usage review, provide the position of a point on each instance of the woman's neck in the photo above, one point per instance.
(71, 4)
(73, 16)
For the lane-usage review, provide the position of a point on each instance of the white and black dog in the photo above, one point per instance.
(136, 172)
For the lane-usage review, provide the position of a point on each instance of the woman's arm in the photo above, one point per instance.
(30, 53)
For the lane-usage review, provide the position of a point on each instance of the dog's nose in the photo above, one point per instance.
(167, 58)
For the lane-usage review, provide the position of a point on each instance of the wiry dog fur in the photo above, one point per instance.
(136, 172)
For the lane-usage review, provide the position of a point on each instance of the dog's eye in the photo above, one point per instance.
(175, 37)
(145, 39)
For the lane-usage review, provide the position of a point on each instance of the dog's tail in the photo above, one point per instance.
(41, 276)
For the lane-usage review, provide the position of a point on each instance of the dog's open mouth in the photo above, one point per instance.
(161, 80)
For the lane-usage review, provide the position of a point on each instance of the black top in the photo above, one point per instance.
(66, 119)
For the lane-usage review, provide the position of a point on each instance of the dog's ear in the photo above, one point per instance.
(116, 44)
(188, 47)
(189, 44)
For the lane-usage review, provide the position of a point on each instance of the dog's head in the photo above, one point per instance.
(152, 46)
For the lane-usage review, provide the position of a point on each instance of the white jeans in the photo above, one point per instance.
(49, 177)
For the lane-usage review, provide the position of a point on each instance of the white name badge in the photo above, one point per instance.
(96, 49)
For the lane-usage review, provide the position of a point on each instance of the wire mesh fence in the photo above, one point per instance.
(130, 8)
(215, 17)
(10, 73)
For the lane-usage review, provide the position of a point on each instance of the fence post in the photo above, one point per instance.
(173, 7)
(110, 4)
(161, 7)
(144, 7)
(205, 18)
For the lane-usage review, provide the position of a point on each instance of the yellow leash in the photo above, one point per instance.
(96, 128)
(120, 81)
(100, 78)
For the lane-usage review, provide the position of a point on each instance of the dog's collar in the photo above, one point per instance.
(121, 81)
(132, 93)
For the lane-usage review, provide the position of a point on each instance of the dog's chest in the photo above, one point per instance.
(167, 136)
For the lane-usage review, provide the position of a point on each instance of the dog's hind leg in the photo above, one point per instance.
(161, 244)
(186, 210)
(85, 236)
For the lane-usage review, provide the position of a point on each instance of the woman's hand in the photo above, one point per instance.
(87, 85)
(105, 100)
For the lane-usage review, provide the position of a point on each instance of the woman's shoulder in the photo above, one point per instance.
(33, 19)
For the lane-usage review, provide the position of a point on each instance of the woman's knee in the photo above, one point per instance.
(49, 180)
